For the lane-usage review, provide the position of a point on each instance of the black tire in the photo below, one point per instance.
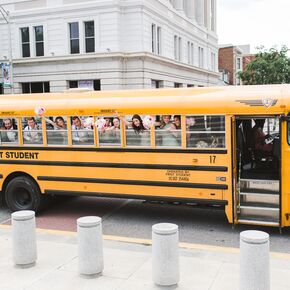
(22, 193)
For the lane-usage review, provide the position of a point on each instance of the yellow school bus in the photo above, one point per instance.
(217, 146)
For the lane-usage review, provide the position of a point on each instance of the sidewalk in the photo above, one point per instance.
(127, 266)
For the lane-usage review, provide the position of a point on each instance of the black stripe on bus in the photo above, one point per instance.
(134, 182)
(136, 196)
(117, 165)
(141, 150)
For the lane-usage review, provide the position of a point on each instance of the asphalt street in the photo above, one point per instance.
(133, 218)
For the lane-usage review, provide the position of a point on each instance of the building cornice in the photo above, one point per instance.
(97, 56)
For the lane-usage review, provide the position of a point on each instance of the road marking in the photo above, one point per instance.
(147, 242)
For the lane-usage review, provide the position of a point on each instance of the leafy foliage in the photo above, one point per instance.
(268, 67)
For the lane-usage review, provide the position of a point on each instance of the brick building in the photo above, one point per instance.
(230, 62)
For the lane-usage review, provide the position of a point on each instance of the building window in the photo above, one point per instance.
(178, 85)
(156, 84)
(153, 37)
(90, 36)
(156, 39)
(179, 49)
(239, 67)
(176, 47)
(200, 57)
(25, 41)
(85, 84)
(212, 15)
(190, 52)
(74, 37)
(37, 87)
(39, 41)
(213, 61)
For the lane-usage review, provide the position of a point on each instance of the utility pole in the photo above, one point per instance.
(6, 17)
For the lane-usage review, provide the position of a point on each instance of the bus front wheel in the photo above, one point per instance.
(22, 193)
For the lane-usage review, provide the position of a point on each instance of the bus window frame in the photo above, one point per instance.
(56, 145)
(22, 130)
(125, 137)
(207, 148)
(121, 145)
(13, 144)
(180, 130)
(70, 131)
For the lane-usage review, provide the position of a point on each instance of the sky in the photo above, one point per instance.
(254, 22)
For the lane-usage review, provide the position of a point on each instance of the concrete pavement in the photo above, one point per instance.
(127, 266)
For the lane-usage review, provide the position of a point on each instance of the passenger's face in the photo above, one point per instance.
(60, 123)
(190, 121)
(107, 121)
(31, 123)
(116, 123)
(136, 122)
(166, 119)
(177, 121)
(77, 122)
(8, 124)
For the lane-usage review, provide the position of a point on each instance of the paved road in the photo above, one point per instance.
(132, 218)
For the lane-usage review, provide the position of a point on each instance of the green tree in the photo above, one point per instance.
(268, 67)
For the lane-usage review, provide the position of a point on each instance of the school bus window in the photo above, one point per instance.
(109, 131)
(168, 131)
(137, 132)
(288, 126)
(9, 131)
(82, 130)
(205, 132)
(56, 130)
(32, 130)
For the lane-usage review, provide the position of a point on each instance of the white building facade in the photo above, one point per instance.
(110, 44)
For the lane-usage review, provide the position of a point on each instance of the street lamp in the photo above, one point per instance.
(6, 17)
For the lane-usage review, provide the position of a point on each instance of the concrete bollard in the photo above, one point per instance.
(254, 261)
(165, 256)
(24, 238)
(90, 245)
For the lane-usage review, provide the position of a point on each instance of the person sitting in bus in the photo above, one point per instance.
(165, 122)
(58, 123)
(9, 134)
(79, 134)
(260, 137)
(137, 124)
(175, 128)
(168, 135)
(140, 135)
(32, 132)
(56, 131)
(114, 131)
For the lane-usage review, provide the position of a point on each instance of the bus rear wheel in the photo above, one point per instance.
(22, 193)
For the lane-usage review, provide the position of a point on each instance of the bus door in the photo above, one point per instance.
(285, 171)
(258, 162)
